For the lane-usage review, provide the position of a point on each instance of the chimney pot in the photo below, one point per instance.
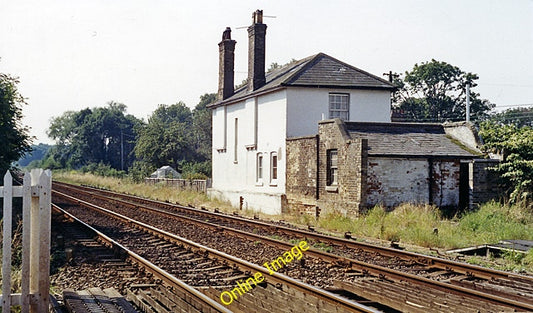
(256, 52)
(226, 73)
(257, 17)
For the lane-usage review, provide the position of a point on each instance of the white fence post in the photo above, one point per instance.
(6, 243)
(34, 236)
(45, 197)
(26, 236)
(36, 219)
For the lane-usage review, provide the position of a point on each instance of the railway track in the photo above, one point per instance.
(205, 270)
(425, 284)
(113, 265)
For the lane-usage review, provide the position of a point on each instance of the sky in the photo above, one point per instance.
(74, 54)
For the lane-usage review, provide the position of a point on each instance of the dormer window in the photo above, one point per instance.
(339, 106)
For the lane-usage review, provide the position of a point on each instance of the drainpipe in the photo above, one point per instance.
(430, 180)
(317, 192)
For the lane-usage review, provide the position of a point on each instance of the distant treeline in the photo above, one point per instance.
(108, 141)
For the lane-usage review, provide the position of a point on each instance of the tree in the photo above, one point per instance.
(202, 127)
(518, 117)
(178, 137)
(99, 135)
(436, 92)
(15, 140)
(516, 145)
(35, 156)
(166, 139)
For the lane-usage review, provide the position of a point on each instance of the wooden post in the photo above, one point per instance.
(26, 228)
(6, 244)
(34, 237)
(36, 219)
(45, 184)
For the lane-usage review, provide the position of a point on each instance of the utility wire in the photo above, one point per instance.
(513, 105)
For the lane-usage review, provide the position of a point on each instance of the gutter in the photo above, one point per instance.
(244, 97)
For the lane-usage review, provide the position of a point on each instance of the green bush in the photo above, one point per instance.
(196, 170)
(103, 170)
(140, 170)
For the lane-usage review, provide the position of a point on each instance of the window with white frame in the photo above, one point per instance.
(273, 168)
(339, 106)
(259, 168)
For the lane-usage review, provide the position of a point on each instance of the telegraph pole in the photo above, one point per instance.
(391, 76)
(467, 103)
(121, 150)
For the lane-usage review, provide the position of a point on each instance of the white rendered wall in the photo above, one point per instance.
(393, 181)
(286, 113)
(231, 179)
(307, 106)
(218, 128)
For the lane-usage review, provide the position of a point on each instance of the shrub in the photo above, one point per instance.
(102, 169)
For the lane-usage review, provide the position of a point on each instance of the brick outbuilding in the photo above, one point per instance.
(351, 166)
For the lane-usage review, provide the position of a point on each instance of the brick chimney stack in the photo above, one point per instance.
(256, 52)
(226, 73)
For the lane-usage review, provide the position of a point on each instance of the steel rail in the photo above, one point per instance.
(364, 267)
(245, 266)
(444, 264)
(150, 267)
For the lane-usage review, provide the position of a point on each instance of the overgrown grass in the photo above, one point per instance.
(424, 226)
(157, 192)
(16, 261)
(420, 225)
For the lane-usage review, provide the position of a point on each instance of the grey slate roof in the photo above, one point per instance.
(406, 139)
(317, 71)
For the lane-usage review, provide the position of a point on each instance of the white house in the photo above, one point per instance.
(251, 124)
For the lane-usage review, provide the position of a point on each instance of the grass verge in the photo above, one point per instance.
(424, 226)
(156, 192)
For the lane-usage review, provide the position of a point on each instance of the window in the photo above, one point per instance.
(259, 169)
(236, 140)
(273, 168)
(339, 106)
(332, 169)
(220, 117)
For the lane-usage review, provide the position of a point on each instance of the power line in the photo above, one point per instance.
(513, 105)
(510, 85)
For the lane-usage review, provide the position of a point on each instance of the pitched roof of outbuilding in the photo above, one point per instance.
(317, 71)
(407, 139)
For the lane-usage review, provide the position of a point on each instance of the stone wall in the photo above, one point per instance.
(302, 177)
(301, 174)
(393, 181)
(465, 133)
(484, 184)
(445, 183)
(349, 195)
(365, 181)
